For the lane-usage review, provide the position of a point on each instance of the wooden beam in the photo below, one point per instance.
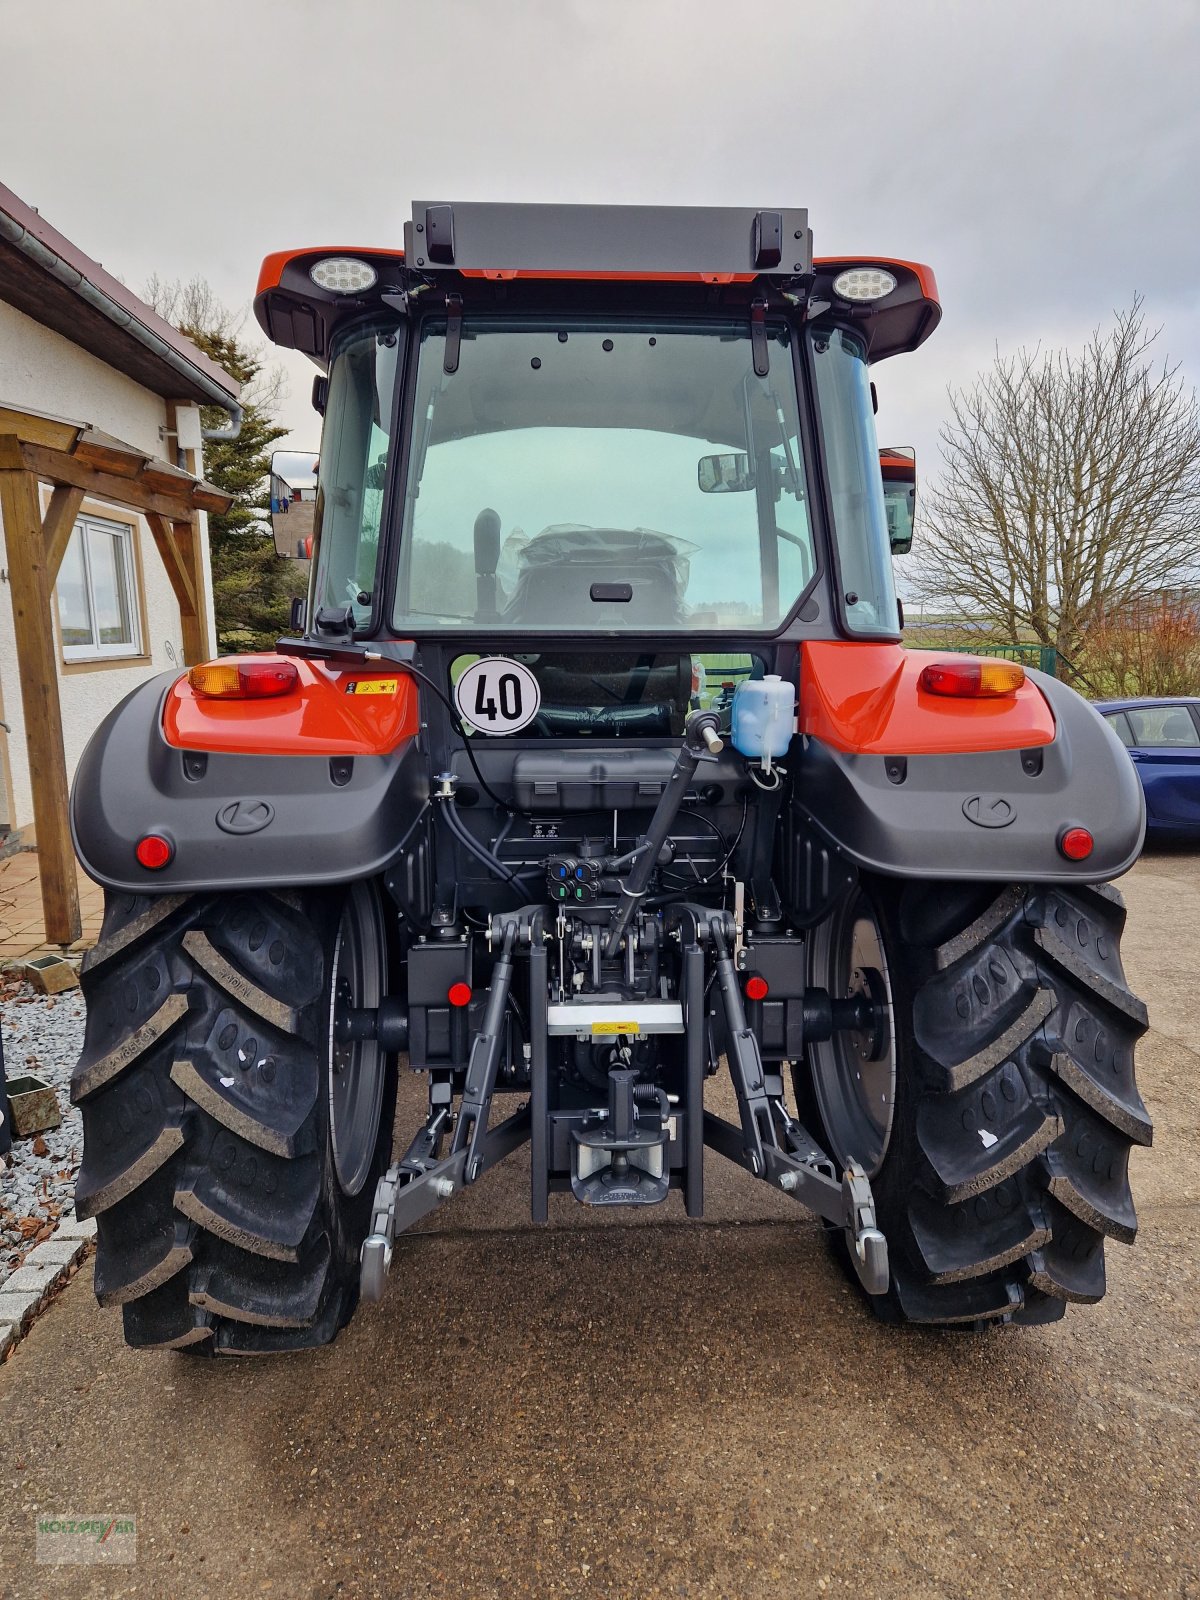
(195, 629)
(206, 498)
(162, 478)
(57, 433)
(12, 453)
(57, 527)
(109, 455)
(37, 666)
(177, 570)
(55, 467)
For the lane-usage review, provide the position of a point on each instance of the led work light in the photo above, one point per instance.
(863, 283)
(342, 275)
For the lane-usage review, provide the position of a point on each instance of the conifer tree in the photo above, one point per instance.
(252, 587)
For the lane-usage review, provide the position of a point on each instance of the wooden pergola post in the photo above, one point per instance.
(29, 543)
(77, 460)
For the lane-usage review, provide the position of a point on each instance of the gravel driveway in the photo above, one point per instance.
(622, 1411)
(43, 1035)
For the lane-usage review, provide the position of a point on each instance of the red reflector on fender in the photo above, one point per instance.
(459, 994)
(153, 851)
(756, 988)
(243, 680)
(1076, 844)
(972, 678)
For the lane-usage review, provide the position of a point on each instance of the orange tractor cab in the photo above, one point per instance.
(597, 767)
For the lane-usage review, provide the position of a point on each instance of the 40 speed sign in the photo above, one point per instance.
(497, 695)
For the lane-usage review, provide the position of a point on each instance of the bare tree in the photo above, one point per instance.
(195, 308)
(252, 586)
(1150, 646)
(1070, 484)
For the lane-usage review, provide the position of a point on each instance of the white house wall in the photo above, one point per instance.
(42, 371)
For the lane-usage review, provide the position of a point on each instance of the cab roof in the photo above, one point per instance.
(593, 257)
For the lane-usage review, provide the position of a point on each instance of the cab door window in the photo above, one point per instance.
(355, 447)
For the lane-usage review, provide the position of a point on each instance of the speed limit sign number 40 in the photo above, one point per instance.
(497, 695)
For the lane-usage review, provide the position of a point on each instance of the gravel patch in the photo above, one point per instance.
(43, 1034)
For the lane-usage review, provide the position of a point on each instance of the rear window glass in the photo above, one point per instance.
(626, 694)
(1119, 724)
(1165, 726)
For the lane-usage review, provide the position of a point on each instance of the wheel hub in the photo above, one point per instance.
(357, 1064)
(853, 1068)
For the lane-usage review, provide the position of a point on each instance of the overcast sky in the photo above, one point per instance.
(1043, 157)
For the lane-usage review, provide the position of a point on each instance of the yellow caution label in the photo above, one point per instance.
(615, 1027)
(373, 686)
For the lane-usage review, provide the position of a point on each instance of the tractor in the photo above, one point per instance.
(597, 794)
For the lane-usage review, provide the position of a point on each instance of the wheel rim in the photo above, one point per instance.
(854, 1073)
(356, 1067)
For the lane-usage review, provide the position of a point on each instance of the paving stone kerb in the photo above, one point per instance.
(17, 1309)
(74, 1228)
(33, 1276)
(39, 1275)
(55, 1252)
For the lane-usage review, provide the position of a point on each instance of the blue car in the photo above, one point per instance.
(1163, 740)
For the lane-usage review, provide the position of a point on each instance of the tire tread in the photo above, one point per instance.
(203, 1133)
(1022, 1038)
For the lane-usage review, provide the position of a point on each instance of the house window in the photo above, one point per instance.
(97, 592)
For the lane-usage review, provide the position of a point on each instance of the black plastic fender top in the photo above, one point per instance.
(995, 814)
(235, 820)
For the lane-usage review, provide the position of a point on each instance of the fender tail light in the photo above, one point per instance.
(243, 680)
(972, 678)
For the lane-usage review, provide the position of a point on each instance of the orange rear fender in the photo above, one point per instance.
(866, 699)
(342, 711)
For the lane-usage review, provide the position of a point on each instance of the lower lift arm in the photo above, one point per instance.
(798, 1165)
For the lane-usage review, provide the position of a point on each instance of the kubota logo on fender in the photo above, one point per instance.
(989, 811)
(245, 816)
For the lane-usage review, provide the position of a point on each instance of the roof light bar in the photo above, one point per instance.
(342, 274)
(863, 283)
(688, 243)
(970, 678)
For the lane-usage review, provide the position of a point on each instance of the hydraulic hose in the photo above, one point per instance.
(699, 734)
(460, 831)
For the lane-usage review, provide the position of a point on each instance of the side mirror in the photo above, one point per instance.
(724, 474)
(899, 468)
(293, 502)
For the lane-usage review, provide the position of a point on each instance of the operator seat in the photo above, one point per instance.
(558, 569)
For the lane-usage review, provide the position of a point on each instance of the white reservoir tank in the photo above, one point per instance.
(764, 718)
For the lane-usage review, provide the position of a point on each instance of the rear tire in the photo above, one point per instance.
(1015, 1107)
(206, 1086)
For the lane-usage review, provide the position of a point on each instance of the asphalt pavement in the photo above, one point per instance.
(645, 1406)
